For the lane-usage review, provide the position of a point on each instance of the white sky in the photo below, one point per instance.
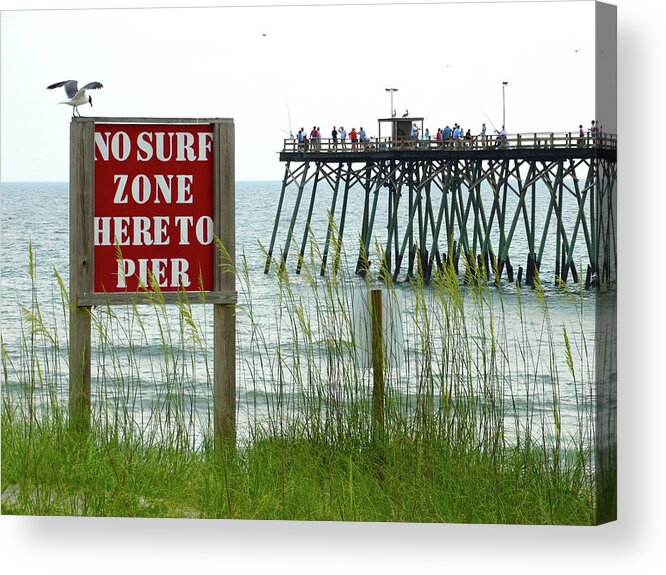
(324, 65)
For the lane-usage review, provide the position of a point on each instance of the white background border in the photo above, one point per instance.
(633, 544)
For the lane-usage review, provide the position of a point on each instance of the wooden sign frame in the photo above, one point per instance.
(81, 256)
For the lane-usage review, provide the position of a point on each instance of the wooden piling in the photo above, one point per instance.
(331, 221)
(343, 216)
(269, 255)
(563, 264)
(574, 273)
(529, 280)
(306, 231)
(378, 362)
(294, 215)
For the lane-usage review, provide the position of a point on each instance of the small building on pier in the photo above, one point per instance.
(398, 128)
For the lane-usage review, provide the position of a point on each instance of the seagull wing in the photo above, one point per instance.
(71, 87)
(92, 86)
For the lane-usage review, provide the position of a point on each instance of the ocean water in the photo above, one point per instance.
(272, 360)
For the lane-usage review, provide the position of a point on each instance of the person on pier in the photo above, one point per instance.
(456, 135)
(334, 137)
(502, 138)
(313, 139)
(353, 136)
(343, 137)
(447, 134)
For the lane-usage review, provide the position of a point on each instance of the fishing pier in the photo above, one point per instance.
(460, 203)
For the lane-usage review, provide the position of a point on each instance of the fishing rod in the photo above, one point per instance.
(291, 133)
(431, 111)
(491, 122)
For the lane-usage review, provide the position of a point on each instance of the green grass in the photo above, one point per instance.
(53, 472)
(467, 435)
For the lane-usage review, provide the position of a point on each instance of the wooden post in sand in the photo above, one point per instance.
(378, 362)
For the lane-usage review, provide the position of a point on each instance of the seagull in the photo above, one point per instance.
(76, 97)
(405, 114)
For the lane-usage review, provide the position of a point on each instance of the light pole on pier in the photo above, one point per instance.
(503, 105)
(391, 90)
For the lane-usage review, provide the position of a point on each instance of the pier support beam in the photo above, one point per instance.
(440, 208)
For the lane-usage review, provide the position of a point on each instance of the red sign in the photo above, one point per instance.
(154, 203)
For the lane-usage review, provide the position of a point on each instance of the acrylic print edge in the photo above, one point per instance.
(606, 312)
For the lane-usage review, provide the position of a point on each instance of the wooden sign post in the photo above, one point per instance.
(378, 363)
(148, 197)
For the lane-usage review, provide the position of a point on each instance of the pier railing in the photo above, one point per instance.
(534, 140)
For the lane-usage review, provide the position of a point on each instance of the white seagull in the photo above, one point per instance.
(76, 97)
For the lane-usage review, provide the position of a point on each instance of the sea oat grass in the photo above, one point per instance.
(472, 428)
